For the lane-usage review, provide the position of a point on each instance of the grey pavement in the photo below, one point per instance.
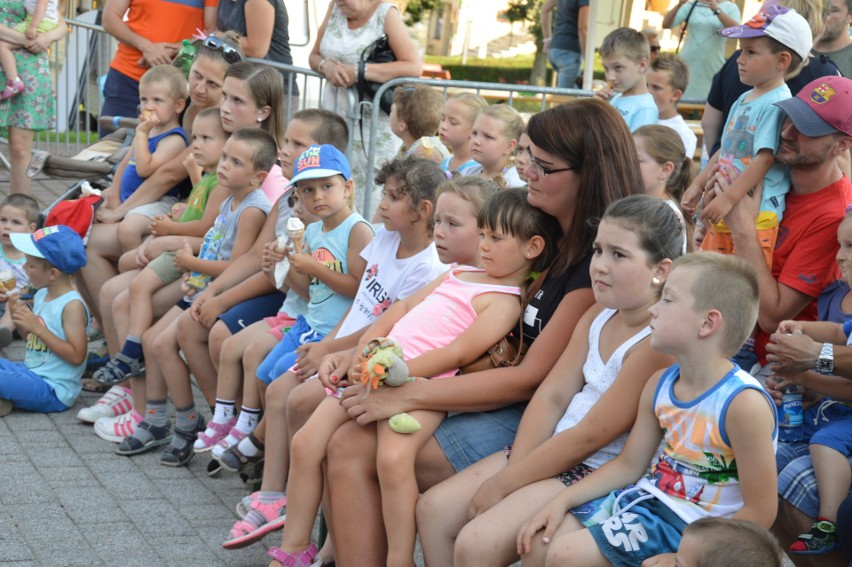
(67, 499)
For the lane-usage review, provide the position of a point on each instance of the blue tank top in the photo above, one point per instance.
(131, 180)
(326, 307)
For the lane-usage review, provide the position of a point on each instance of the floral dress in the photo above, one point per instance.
(339, 43)
(35, 107)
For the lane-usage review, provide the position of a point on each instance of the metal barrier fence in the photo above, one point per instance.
(532, 96)
(79, 65)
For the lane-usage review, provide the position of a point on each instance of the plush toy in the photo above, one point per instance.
(382, 363)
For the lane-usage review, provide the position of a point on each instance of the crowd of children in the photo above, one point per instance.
(649, 437)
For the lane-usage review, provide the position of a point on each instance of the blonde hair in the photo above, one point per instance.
(733, 543)
(729, 285)
(511, 122)
(169, 76)
(474, 190)
(473, 101)
(266, 87)
(627, 42)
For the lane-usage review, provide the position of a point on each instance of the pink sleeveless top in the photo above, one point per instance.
(443, 316)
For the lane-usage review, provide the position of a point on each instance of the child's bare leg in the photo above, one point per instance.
(306, 472)
(277, 451)
(192, 338)
(7, 60)
(116, 311)
(142, 291)
(127, 261)
(218, 335)
(571, 545)
(132, 230)
(102, 252)
(833, 477)
(228, 382)
(395, 460)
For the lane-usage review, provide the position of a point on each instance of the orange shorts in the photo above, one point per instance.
(718, 237)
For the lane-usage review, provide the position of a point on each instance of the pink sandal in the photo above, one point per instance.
(246, 533)
(219, 431)
(304, 558)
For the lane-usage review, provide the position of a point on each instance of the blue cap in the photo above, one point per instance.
(59, 245)
(320, 161)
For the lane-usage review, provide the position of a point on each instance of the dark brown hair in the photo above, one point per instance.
(591, 137)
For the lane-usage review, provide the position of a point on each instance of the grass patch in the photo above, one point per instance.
(84, 138)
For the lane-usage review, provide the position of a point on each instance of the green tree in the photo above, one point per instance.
(529, 12)
(416, 10)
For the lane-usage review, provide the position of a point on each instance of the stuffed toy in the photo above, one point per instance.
(382, 363)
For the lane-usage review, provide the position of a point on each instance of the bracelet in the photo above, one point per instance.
(321, 63)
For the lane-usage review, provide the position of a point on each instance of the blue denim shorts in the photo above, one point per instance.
(467, 438)
(637, 526)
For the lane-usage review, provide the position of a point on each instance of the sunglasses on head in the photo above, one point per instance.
(230, 54)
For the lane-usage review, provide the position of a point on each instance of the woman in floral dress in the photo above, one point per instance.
(35, 108)
(348, 28)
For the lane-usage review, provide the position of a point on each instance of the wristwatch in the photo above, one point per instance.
(716, 11)
(825, 362)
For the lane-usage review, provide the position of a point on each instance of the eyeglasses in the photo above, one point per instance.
(655, 49)
(230, 54)
(540, 170)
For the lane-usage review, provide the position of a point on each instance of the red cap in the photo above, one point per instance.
(821, 107)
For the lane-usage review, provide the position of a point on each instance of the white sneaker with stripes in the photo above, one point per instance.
(117, 401)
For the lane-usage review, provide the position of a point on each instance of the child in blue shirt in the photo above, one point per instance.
(49, 380)
(625, 54)
(774, 43)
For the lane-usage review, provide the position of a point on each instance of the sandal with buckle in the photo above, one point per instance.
(179, 456)
(111, 374)
(234, 461)
(159, 436)
(304, 558)
(245, 533)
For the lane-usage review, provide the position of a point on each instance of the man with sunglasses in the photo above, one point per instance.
(150, 36)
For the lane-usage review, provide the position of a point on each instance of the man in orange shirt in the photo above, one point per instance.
(150, 36)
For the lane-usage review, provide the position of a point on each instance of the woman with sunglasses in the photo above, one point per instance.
(262, 28)
(206, 77)
(582, 158)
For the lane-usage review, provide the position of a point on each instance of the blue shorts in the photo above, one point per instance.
(637, 526)
(467, 438)
(252, 310)
(121, 96)
(283, 356)
(834, 427)
(26, 389)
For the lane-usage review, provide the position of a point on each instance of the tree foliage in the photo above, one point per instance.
(527, 11)
(417, 10)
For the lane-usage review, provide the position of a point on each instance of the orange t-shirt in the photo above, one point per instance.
(159, 21)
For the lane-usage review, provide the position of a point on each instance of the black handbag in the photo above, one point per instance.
(377, 52)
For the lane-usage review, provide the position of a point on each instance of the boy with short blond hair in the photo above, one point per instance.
(18, 213)
(415, 117)
(625, 54)
(667, 80)
(718, 425)
(719, 542)
(774, 43)
(49, 379)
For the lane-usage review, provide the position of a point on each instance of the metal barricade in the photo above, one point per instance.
(311, 85)
(543, 97)
(79, 67)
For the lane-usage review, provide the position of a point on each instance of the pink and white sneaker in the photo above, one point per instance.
(117, 401)
(115, 429)
(213, 434)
